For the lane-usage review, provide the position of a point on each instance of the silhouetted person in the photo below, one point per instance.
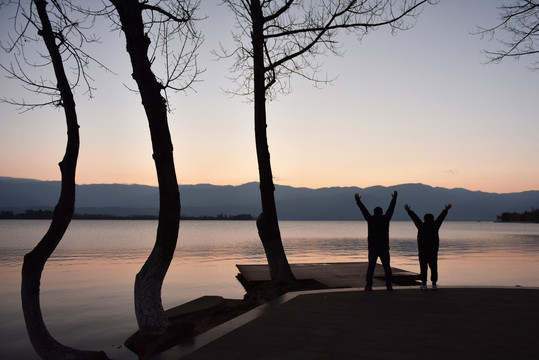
(378, 239)
(428, 242)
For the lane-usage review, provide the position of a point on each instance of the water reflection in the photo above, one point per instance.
(129, 242)
(88, 282)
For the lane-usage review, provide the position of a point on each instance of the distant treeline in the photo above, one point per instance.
(219, 217)
(526, 216)
(47, 215)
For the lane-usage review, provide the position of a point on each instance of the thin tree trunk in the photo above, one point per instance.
(148, 306)
(267, 223)
(44, 344)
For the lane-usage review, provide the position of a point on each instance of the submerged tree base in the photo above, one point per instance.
(185, 326)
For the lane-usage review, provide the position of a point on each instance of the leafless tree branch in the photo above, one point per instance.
(298, 31)
(70, 29)
(517, 32)
(174, 44)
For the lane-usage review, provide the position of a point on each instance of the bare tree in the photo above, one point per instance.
(32, 23)
(517, 32)
(277, 39)
(162, 21)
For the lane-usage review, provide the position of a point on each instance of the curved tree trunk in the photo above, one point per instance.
(267, 223)
(148, 306)
(45, 345)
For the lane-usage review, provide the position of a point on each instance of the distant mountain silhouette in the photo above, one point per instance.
(335, 203)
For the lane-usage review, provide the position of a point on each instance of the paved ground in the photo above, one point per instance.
(451, 323)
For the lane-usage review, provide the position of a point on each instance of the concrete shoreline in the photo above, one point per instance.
(453, 322)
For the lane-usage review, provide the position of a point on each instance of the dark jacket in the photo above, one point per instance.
(378, 237)
(428, 240)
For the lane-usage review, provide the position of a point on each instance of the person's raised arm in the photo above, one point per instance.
(417, 221)
(362, 207)
(442, 215)
(391, 208)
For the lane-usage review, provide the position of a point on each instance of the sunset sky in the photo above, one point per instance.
(418, 107)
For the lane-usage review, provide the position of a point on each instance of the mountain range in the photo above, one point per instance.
(293, 203)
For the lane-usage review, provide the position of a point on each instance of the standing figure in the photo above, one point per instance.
(378, 239)
(428, 242)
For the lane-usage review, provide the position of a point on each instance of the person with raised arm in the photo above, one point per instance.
(378, 239)
(428, 243)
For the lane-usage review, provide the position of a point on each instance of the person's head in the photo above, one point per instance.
(378, 211)
(428, 218)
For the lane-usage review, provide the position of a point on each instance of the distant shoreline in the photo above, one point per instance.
(47, 215)
(525, 217)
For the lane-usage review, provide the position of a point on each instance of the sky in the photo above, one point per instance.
(417, 107)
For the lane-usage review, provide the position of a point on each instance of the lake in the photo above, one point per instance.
(87, 285)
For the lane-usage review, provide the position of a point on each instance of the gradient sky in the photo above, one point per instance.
(418, 107)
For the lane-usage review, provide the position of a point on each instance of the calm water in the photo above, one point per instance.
(87, 285)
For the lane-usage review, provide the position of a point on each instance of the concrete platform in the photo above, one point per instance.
(407, 323)
(202, 303)
(333, 275)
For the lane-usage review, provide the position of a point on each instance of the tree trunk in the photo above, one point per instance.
(44, 344)
(267, 223)
(148, 306)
